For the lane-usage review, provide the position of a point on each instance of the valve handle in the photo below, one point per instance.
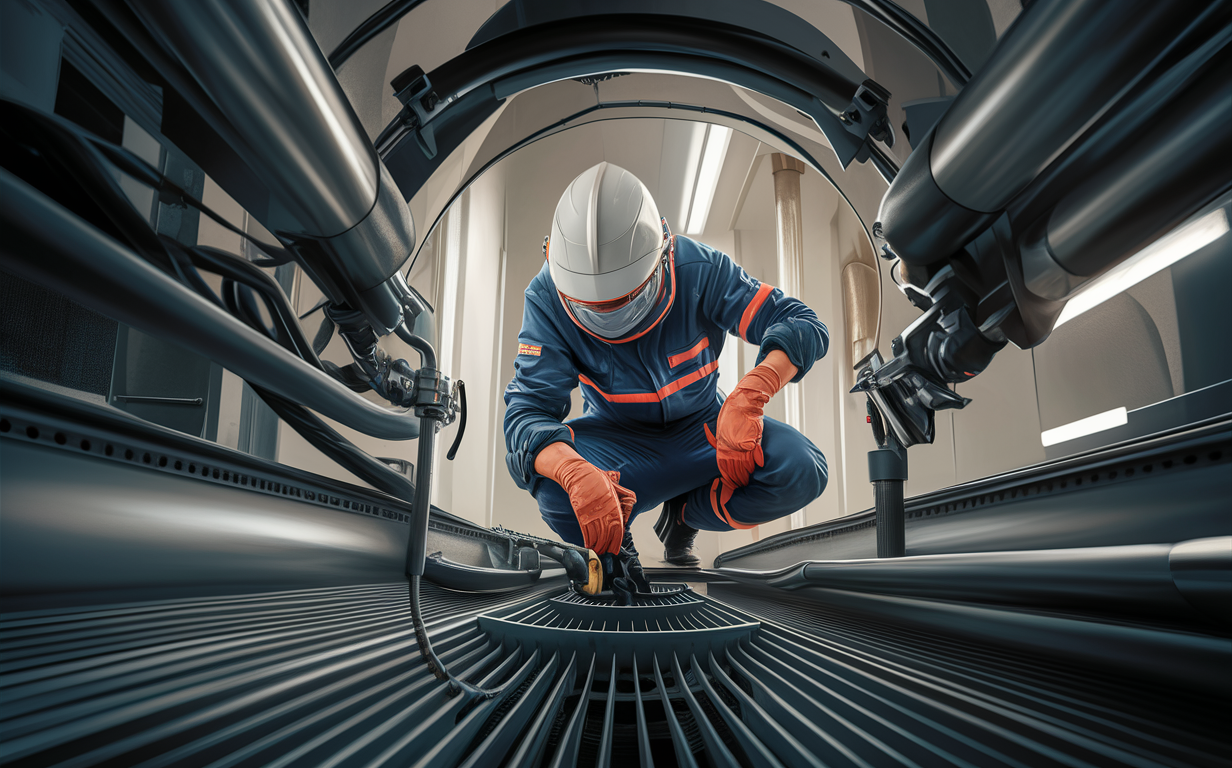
(453, 449)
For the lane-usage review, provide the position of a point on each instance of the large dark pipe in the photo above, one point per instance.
(1161, 175)
(1059, 67)
(290, 122)
(46, 244)
(1186, 580)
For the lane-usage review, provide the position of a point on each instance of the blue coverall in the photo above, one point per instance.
(650, 396)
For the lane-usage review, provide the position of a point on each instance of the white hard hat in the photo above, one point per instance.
(606, 236)
(607, 241)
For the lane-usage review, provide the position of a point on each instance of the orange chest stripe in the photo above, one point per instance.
(653, 397)
(684, 357)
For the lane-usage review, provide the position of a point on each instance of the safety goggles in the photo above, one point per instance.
(616, 317)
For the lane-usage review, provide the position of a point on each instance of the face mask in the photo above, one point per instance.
(613, 319)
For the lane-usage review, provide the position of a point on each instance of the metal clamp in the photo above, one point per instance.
(867, 114)
(414, 90)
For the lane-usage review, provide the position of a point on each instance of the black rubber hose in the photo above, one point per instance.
(291, 333)
(891, 534)
(322, 437)
(417, 543)
(457, 440)
(427, 355)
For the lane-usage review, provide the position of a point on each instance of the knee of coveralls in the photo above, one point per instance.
(557, 512)
(795, 474)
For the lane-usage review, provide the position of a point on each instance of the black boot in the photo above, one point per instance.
(676, 535)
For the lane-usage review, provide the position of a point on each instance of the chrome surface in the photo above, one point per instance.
(103, 275)
(331, 676)
(1141, 579)
(1056, 69)
(1170, 170)
(258, 62)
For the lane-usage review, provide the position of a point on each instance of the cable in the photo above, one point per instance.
(371, 27)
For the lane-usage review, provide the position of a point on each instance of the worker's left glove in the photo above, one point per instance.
(739, 428)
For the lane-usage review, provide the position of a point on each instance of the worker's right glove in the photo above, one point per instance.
(601, 505)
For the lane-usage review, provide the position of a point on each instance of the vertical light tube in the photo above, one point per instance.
(717, 138)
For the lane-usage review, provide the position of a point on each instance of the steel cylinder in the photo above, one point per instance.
(289, 121)
(1169, 170)
(1058, 68)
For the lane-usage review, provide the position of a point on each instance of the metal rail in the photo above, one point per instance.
(48, 245)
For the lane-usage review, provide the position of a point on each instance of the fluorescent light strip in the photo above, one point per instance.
(717, 138)
(1156, 257)
(695, 137)
(1075, 429)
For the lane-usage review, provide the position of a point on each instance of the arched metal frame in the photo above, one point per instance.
(887, 12)
(696, 113)
(514, 53)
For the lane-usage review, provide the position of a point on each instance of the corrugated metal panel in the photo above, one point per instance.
(332, 677)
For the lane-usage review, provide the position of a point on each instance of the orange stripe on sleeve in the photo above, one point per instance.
(751, 310)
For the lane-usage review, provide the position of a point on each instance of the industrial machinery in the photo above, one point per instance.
(170, 601)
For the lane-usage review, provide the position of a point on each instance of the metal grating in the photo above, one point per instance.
(332, 677)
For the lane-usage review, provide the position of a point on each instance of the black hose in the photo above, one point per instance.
(457, 440)
(322, 437)
(370, 28)
(289, 332)
(342, 451)
(416, 545)
(427, 355)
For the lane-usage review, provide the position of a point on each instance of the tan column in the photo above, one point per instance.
(789, 228)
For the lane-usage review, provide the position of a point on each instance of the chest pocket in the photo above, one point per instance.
(696, 353)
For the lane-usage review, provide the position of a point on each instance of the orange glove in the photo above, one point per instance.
(739, 428)
(601, 505)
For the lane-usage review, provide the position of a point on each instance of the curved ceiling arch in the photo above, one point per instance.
(734, 111)
(444, 107)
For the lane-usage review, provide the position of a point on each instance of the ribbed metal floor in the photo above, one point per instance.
(332, 677)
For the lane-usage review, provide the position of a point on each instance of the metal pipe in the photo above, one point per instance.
(290, 122)
(258, 63)
(46, 244)
(1160, 177)
(1186, 580)
(1065, 60)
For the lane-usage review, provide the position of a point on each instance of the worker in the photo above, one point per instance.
(638, 316)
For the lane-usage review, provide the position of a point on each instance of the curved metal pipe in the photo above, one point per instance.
(393, 139)
(46, 244)
(1070, 57)
(916, 32)
(1186, 580)
(1162, 176)
(290, 122)
(371, 27)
